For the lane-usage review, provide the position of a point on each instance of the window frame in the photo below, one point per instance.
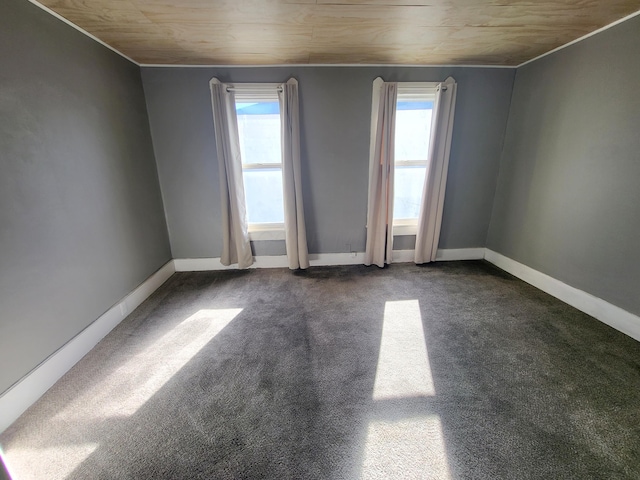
(425, 91)
(256, 93)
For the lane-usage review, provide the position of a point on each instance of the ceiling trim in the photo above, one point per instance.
(82, 30)
(162, 65)
(297, 65)
(584, 37)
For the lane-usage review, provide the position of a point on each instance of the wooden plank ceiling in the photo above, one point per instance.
(266, 32)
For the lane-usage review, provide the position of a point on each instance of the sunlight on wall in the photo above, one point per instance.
(134, 382)
(412, 448)
(53, 462)
(403, 364)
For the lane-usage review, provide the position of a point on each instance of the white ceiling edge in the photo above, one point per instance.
(584, 37)
(163, 65)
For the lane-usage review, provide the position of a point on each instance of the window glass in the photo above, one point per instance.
(407, 187)
(263, 192)
(260, 148)
(413, 128)
(413, 131)
(259, 130)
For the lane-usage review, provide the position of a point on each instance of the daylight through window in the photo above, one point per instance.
(413, 131)
(259, 131)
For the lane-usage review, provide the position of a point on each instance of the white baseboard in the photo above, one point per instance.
(326, 259)
(452, 254)
(199, 264)
(267, 261)
(442, 255)
(320, 259)
(32, 386)
(622, 320)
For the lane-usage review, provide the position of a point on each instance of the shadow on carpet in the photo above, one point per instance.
(446, 371)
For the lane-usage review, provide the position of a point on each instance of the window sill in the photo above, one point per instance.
(266, 232)
(399, 230)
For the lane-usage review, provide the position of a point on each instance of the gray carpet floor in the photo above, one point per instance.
(447, 371)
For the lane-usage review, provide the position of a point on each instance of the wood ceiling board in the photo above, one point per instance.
(550, 4)
(484, 54)
(388, 57)
(352, 15)
(397, 32)
(113, 12)
(450, 38)
(224, 58)
(246, 33)
(334, 56)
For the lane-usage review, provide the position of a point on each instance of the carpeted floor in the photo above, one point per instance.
(446, 371)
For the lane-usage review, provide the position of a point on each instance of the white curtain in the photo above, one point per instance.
(294, 226)
(235, 247)
(430, 217)
(381, 165)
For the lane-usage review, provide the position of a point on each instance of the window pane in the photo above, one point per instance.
(407, 185)
(263, 191)
(259, 131)
(413, 129)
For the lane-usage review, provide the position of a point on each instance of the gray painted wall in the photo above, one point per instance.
(335, 117)
(568, 197)
(81, 216)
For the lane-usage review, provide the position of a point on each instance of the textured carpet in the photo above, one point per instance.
(449, 371)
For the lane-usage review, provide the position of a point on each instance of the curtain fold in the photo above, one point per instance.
(236, 247)
(379, 244)
(294, 225)
(430, 217)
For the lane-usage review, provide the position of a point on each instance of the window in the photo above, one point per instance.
(413, 132)
(258, 113)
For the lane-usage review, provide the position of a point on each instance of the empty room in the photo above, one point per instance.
(319, 239)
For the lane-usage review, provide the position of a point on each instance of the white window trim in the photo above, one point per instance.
(266, 231)
(257, 166)
(422, 91)
(411, 163)
(405, 226)
(260, 92)
(420, 87)
(255, 91)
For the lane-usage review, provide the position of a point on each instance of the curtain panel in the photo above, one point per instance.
(294, 225)
(236, 247)
(430, 217)
(379, 243)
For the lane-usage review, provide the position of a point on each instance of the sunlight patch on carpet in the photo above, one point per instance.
(134, 382)
(408, 449)
(403, 363)
(53, 462)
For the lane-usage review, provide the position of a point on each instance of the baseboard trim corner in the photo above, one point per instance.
(15, 401)
(614, 316)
